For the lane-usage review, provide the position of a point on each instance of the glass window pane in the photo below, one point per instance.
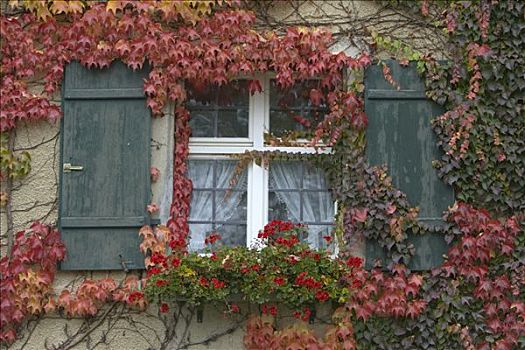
(198, 233)
(316, 233)
(233, 123)
(214, 202)
(314, 178)
(291, 105)
(202, 123)
(232, 235)
(282, 121)
(231, 206)
(284, 206)
(200, 172)
(219, 111)
(201, 208)
(286, 175)
(225, 170)
(317, 207)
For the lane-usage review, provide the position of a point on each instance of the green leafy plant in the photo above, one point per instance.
(13, 165)
(283, 269)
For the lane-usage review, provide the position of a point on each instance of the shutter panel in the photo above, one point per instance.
(400, 135)
(106, 131)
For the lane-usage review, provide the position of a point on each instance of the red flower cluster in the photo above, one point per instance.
(279, 281)
(153, 271)
(217, 284)
(305, 315)
(328, 239)
(161, 283)
(269, 310)
(354, 261)
(277, 226)
(134, 296)
(159, 259)
(308, 282)
(203, 281)
(175, 262)
(288, 242)
(322, 295)
(164, 308)
(212, 238)
(254, 267)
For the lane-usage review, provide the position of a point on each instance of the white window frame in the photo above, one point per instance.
(258, 176)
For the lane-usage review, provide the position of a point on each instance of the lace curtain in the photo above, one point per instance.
(317, 206)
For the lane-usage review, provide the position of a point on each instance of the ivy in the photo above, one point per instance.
(483, 87)
(474, 301)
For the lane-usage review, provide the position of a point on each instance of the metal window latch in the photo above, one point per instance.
(126, 264)
(67, 167)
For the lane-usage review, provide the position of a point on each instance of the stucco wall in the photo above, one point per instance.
(35, 197)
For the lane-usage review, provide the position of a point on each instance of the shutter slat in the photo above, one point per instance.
(136, 221)
(105, 94)
(376, 94)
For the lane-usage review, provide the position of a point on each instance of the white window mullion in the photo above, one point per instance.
(258, 114)
(257, 177)
(256, 194)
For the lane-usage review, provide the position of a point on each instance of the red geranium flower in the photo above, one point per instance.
(135, 296)
(161, 283)
(203, 282)
(322, 295)
(175, 262)
(164, 308)
(158, 258)
(328, 239)
(306, 314)
(217, 284)
(279, 281)
(212, 238)
(153, 271)
(276, 226)
(272, 310)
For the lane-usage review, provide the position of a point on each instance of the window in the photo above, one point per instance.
(215, 206)
(226, 121)
(219, 112)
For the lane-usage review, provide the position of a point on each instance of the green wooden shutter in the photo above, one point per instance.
(106, 131)
(400, 135)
